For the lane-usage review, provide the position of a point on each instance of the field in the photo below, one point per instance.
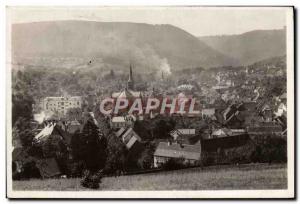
(252, 176)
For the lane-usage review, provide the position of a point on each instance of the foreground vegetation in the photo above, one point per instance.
(251, 176)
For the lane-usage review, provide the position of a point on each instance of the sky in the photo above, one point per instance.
(199, 21)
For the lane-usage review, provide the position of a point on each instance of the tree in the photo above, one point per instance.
(23, 130)
(90, 146)
(91, 149)
(117, 154)
(145, 160)
(21, 103)
(162, 127)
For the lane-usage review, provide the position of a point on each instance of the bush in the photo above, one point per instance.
(271, 149)
(174, 163)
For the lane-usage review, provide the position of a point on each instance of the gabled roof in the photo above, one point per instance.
(130, 130)
(126, 93)
(46, 132)
(120, 131)
(178, 151)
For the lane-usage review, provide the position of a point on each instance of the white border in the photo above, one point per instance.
(289, 193)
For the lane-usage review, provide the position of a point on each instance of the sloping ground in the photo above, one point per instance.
(251, 46)
(253, 176)
(89, 44)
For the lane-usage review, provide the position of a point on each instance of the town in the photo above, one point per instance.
(59, 129)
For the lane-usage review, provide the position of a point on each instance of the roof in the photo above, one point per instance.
(183, 132)
(74, 122)
(120, 131)
(48, 167)
(223, 132)
(185, 87)
(47, 131)
(208, 111)
(178, 151)
(131, 142)
(220, 132)
(118, 119)
(126, 94)
(130, 130)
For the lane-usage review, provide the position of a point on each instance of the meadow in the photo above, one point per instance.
(250, 176)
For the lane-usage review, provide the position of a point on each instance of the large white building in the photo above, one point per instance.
(61, 105)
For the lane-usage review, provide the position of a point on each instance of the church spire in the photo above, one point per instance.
(130, 82)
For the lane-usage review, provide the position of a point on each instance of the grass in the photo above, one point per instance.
(253, 176)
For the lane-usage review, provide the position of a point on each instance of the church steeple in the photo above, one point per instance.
(130, 82)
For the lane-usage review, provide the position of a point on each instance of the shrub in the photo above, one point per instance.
(174, 163)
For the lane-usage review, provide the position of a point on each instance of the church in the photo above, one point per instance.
(128, 92)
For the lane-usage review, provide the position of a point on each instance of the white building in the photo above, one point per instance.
(61, 105)
(122, 121)
(190, 154)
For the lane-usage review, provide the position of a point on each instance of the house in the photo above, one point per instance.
(122, 121)
(128, 136)
(185, 136)
(225, 132)
(264, 128)
(191, 154)
(208, 113)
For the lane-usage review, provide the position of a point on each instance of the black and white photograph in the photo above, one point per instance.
(150, 102)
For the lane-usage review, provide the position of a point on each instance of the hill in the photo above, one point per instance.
(250, 47)
(111, 44)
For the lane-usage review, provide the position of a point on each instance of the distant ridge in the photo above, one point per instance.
(113, 44)
(251, 46)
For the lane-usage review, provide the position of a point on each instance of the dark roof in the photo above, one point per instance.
(48, 167)
(178, 151)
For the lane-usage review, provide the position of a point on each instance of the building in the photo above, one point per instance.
(128, 136)
(60, 105)
(128, 92)
(191, 154)
(225, 132)
(208, 113)
(130, 82)
(182, 132)
(184, 136)
(117, 122)
(263, 128)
